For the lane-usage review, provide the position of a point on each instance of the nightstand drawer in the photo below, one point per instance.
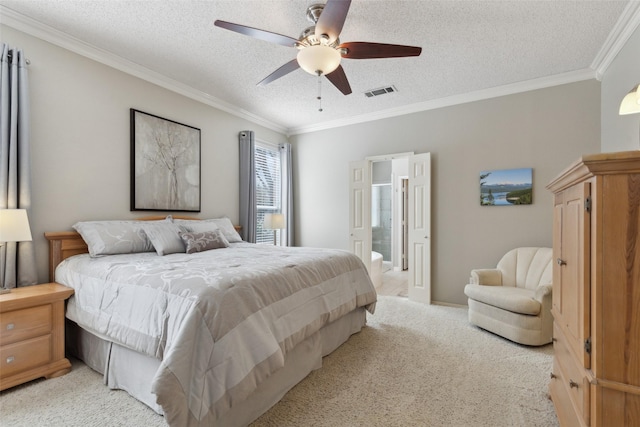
(24, 355)
(23, 324)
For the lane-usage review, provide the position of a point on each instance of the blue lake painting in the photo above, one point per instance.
(506, 187)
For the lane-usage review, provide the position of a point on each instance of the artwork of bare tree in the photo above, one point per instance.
(165, 164)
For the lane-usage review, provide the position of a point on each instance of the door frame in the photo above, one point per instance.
(360, 238)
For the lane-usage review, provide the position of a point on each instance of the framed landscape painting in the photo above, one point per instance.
(165, 164)
(506, 187)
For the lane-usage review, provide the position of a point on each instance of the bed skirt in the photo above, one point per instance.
(125, 369)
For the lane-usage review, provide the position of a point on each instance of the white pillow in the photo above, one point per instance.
(113, 237)
(165, 237)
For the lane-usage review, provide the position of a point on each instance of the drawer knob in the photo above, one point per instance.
(553, 376)
(10, 359)
(561, 262)
(10, 326)
(573, 384)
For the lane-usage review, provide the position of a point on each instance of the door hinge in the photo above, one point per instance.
(587, 204)
(587, 345)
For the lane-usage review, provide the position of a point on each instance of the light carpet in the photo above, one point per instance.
(413, 365)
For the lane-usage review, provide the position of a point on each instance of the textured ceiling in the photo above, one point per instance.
(467, 46)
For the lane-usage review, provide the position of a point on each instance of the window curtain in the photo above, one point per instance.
(17, 260)
(248, 208)
(287, 193)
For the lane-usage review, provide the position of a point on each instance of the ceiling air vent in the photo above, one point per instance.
(380, 91)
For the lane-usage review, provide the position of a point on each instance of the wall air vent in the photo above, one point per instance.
(380, 91)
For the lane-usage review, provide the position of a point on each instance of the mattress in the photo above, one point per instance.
(219, 322)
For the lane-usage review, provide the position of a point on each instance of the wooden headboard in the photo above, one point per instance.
(63, 244)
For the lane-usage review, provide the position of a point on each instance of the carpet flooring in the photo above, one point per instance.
(412, 365)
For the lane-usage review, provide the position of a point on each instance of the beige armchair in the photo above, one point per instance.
(514, 299)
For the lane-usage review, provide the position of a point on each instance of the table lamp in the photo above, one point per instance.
(631, 104)
(273, 221)
(14, 227)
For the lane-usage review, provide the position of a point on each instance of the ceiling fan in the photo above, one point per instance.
(319, 48)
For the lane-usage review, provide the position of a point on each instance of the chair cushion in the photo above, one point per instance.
(517, 300)
(526, 267)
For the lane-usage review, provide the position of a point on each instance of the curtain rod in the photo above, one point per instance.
(27, 61)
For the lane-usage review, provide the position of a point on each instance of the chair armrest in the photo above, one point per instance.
(542, 291)
(486, 276)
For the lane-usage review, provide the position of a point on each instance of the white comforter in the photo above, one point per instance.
(221, 321)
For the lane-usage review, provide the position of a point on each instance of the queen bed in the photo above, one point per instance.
(214, 337)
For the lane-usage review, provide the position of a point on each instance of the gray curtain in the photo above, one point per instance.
(248, 208)
(17, 260)
(287, 193)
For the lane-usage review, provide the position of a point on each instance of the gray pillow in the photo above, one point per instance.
(203, 241)
(224, 224)
(227, 228)
(165, 237)
(114, 237)
(198, 226)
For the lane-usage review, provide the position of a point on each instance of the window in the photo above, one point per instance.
(268, 189)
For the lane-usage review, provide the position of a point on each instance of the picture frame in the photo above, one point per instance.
(506, 187)
(165, 164)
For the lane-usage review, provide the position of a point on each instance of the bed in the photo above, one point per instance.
(207, 338)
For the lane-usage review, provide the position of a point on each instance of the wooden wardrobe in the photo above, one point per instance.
(595, 379)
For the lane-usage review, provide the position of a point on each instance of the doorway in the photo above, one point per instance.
(389, 212)
(410, 222)
(404, 208)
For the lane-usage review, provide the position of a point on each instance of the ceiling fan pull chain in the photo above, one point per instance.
(319, 92)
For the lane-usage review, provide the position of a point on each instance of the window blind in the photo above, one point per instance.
(268, 189)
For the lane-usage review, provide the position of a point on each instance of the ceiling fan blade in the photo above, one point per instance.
(282, 71)
(258, 34)
(339, 80)
(365, 50)
(332, 18)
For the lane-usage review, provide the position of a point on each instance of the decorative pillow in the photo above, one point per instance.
(165, 237)
(204, 241)
(113, 237)
(224, 224)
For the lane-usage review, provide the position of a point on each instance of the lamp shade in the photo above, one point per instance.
(318, 59)
(631, 102)
(273, 221)
(14, 225)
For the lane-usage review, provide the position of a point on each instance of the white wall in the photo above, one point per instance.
(620, 133)
(544, 129)
(80, 140)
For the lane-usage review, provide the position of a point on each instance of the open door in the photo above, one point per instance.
(420, 228)
(360, 210)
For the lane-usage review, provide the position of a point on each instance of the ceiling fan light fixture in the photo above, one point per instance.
(319, 59)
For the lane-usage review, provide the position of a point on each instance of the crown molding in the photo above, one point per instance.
(34, 28)
(627, 23)
(479, 95)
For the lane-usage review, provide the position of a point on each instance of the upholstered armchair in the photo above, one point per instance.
(513, 300)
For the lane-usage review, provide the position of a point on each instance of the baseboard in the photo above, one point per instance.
(448, 304)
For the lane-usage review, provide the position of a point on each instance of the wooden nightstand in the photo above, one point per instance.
(32, 334)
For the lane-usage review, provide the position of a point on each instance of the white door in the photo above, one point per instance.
(420, 228)
(360, 210)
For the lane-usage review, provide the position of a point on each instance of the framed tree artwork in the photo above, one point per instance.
(165, 164)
